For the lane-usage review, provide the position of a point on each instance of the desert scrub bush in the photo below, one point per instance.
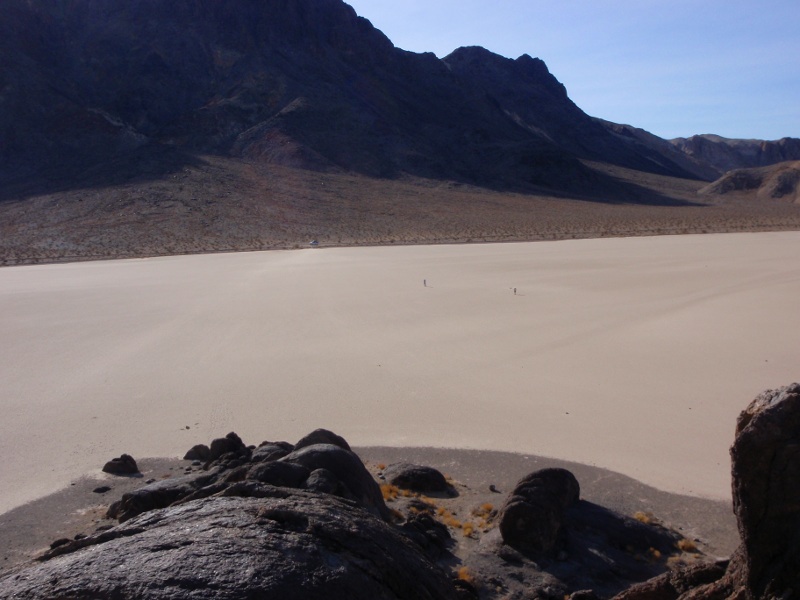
(643, 517)
(389, 491)
(484, 514)
(687, 545)
(654, 554)
(448, 518)
(464, 574)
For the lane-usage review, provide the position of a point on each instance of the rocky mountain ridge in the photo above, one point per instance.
(293, 82)
(159, 127)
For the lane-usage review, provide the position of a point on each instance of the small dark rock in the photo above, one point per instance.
(583, 595)
(59, 542)
(124, 465)
(102, 489)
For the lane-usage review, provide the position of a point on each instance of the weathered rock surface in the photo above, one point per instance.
(677, 583)
(766, 491)
(124, 465)
(356, 483)
(418, 478)
(532, 515)
(275, 543)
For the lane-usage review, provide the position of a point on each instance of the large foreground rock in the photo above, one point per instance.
(274, 543)
(766, 499)
(766, 491)
(532, 516)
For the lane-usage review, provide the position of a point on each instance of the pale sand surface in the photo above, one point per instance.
(634, 354)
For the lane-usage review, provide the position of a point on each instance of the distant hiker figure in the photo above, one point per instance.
(515, 291)
(424, 283)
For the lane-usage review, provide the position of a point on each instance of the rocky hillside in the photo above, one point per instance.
(781, 181)
(292, 82)
(169, 126)
(725, 154)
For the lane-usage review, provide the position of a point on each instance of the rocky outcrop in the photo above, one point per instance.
(766, 499)
(249, 541)
(301, 83)
(310, 522)
(533, 513)
(322, 467)
(678, 583)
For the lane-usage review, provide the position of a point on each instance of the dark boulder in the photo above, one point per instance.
(124, 465)
(766, 491)
(275, 543)
(532, 516)
(357, 483)
(230, 444)
(279, 474)
(324, 482)
(417, 478)
(268, 451)
(198, 452)
(322, 436)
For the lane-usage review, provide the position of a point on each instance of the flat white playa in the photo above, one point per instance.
(631, 354)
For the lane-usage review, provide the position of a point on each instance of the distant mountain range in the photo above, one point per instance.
(308, 84)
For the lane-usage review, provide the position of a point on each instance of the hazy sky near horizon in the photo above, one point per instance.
(673, 67)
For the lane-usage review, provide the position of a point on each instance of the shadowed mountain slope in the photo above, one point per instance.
(291, 82)
(163, 126)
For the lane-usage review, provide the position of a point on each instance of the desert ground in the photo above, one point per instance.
(631, 354)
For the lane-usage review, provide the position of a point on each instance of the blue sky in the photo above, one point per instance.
(673, 67)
